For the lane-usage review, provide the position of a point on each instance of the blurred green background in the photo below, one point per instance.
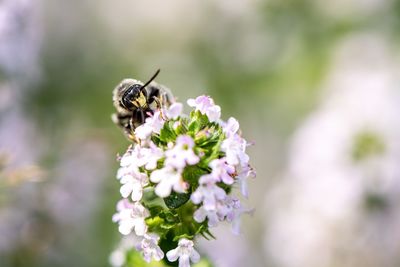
(263, 62)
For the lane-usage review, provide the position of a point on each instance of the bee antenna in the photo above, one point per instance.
(150, 80)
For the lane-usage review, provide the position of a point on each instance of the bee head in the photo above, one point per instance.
(135, 97)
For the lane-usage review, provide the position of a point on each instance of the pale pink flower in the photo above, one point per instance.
(168, 178)
(131, 216)
(222, 171)
(144, 131)
(201, 214)
(230, 127)
(208, 193)
(234, 147)
(174, 111)
(185, 252)
(151, 155)
(156, 122)
(128, 162)
(206, 106)
(232, 210)
(133, 185)
(182, 153)
(149, 247)
(152, 124)
(139, 156)
(242, 174)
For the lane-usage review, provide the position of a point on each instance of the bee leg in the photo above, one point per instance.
(131, 136)
(158, 103)
(142, 118)
(130, 132)
(154, 92)
(159, 106)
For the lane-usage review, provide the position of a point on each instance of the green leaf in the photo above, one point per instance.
(156, 140)
(155, 211)
(163, 223)
(187, 236)
(150, 199)
(182, 127)
(175, 200)
(167, 133)
(192, 174)
(198, 121)
(154, 222)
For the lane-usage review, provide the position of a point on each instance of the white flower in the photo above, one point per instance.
(242, 173)
(205, 105)
(168, 178)
(127, 163)
(122, 171)
(131, 160)
(344, 153)
(233, 210)
(152, 124)
(208, 193)
(133, 184)
(174, 111)
(222, 171)
(182, 153)
(228, 208)
(127, 159)
(143, 131)
(234, 147)
(185, 252)
(142, 155)
(151, 156)
(230, 127)
(117, 258)
(156, 122)
(131, 216)
(201, 214)
(149, 247)
(137, 157)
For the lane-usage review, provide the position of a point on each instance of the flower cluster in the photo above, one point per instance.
(342, 177)
(177, 180)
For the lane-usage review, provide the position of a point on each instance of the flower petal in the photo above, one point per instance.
(184, 261)
(194, 256)
(163, 189)
(125, 190)
(172, 255)
(140, 228)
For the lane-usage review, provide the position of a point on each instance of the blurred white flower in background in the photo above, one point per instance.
(339, 203)
(20, 37)
(71, 195)
(20, 33)
(20, 41)
(118, 257)
(235, 249)
(77, 182)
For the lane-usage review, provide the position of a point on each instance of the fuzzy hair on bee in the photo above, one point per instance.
(135, 101)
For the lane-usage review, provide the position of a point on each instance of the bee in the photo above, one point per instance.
(135, 101)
